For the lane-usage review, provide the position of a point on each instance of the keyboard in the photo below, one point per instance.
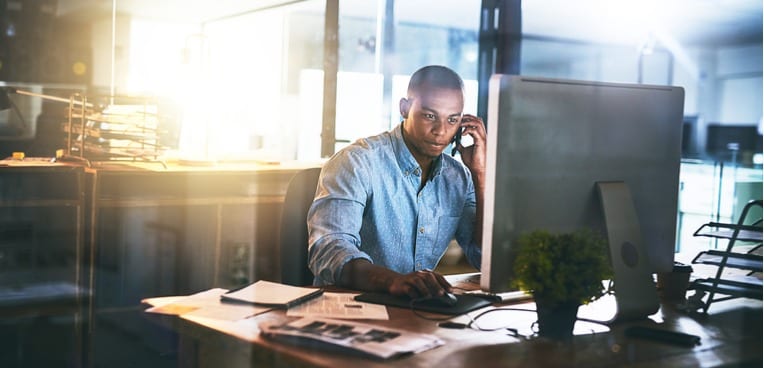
(473, 279)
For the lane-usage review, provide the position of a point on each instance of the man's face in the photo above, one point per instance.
(431, 121)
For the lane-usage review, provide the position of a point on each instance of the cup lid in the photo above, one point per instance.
(681, 267)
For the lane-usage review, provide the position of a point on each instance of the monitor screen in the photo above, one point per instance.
(727, 142)
(550, 141)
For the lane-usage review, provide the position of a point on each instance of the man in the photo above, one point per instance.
(387, 206)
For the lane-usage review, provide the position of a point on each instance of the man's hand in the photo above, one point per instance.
(419, 284)
(474, 156)
(360, 274)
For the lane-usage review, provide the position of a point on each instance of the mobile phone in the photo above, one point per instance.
(456, 140)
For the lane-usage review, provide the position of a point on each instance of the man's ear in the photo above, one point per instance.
(404, 106)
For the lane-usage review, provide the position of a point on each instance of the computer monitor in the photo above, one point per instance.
(728, 142)
(550, 141)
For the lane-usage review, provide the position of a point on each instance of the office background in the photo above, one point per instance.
(244, 81)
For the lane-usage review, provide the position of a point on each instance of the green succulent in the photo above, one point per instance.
(562, 267)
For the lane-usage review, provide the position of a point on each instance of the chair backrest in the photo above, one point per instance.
(294, 228)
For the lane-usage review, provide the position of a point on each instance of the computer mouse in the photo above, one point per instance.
(446, 300)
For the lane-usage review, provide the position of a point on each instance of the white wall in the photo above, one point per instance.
(738, 72)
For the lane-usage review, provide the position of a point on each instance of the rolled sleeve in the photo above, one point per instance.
(334, 219)
(329, 255)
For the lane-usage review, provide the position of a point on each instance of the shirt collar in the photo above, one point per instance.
(406, 160)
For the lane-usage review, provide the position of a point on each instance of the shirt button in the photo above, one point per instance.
(418, 266)
(421, 230)
(417, 172)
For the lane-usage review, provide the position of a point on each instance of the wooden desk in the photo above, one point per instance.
(42, 258)
(173, 230)
(731, 335)
(125, 231)
(183, 228)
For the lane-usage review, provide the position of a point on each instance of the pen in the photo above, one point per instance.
(353, 306)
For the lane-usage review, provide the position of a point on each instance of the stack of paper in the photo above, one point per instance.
(204, 304)
(372, 340)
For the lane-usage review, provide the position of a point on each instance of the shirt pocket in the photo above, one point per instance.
(447, 226)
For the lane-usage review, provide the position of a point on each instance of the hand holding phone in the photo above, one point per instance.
(457, 140)
(470, 142)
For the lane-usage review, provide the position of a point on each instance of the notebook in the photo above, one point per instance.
(271, 294)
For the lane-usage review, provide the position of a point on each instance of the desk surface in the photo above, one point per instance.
(730, 334)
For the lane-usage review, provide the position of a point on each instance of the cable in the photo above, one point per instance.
(593, 321)
(473, 321)
(474, 324)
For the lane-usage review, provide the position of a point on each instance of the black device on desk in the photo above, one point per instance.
(453, 305)
(671, 337)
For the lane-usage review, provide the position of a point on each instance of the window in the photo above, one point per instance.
(254, 83)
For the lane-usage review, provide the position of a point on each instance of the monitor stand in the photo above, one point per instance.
(635, 292)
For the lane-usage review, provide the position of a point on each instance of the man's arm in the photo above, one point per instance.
(474, 157)
(335, 217)
(478, 180)
(360, 274)
(334, 222)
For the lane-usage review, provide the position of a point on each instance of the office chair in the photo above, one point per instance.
(294, 228)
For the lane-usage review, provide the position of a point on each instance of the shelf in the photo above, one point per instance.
(744, 287)
(727, 231)
(741, 261)
(730, 286)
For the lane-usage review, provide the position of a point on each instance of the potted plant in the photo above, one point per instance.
(562, 271)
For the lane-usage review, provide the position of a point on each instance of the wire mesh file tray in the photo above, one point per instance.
(116, 132)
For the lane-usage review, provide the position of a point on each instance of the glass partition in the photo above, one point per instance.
(246, 101)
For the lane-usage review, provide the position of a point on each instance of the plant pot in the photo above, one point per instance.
(556, 320)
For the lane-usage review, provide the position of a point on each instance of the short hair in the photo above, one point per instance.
(434, 76)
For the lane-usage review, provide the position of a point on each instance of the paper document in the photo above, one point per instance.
(204, 304)
(339, 305)
(373, 340)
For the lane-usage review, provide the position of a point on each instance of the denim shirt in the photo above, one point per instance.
(368, 205)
